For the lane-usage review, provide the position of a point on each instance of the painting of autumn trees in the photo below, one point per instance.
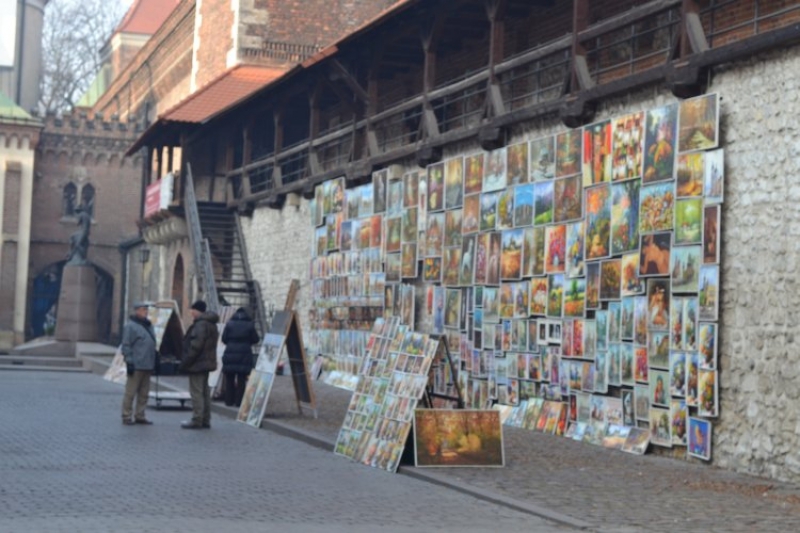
(444, 437)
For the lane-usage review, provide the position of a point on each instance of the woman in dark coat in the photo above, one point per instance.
(238, 336)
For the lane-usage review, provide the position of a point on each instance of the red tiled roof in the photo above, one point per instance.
(146, 16)
(221, 93)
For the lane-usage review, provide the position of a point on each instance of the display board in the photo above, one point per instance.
(286, 323)
(465, 437)
(259, 384)
(579, 268)
(391, 382)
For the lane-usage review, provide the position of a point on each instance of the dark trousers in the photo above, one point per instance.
(200, 393)
(235, 384)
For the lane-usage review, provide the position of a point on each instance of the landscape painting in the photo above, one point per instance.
(446, 437)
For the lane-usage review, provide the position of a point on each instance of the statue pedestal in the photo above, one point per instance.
(77, 305)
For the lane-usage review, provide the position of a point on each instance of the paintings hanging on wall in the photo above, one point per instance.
(572, 270)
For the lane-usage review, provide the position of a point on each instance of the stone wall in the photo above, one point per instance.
(279, 249)
(758, 430)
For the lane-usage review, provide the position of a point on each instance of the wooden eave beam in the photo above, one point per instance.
(349, 80)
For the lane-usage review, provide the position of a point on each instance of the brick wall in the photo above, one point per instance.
(214, 38)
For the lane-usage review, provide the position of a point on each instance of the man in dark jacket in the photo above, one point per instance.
(239, 336)
(200, 358)
(139, 351)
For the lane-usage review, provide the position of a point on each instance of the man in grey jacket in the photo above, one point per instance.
(139, 350)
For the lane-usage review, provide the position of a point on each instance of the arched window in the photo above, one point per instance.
(69, 200)
(87, 199)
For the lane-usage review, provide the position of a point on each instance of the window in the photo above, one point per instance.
(87, 199)
(69, 200)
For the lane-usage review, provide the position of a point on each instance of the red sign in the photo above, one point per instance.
(152, 199)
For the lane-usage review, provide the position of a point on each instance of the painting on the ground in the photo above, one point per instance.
(446, 437)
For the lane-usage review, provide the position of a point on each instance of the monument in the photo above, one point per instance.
(77, 301)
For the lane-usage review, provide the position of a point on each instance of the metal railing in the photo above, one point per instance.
(200, 248)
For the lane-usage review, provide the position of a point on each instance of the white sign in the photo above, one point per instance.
(8, 32)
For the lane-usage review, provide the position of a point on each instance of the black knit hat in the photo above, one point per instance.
(199, 305)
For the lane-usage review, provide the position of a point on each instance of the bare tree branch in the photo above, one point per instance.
(74, 32)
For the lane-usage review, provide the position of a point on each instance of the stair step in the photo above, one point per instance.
(38, 368)
(39, 360)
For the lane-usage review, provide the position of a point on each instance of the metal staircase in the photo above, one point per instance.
(224, 269)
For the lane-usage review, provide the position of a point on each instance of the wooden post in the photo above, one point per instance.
(495, 9)
(580, 78)
(693, 38)
(313, 130)
(429, 38)
(247, 156)
(277, 117)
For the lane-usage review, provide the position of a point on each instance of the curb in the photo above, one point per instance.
(322, 443)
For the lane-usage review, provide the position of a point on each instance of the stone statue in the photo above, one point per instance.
(79, 241)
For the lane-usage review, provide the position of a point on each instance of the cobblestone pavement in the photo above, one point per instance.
(68, 465)
(613, 491)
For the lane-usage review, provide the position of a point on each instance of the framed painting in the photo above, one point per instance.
(394, 204)
(698, 126)
(601, 372)
(435, 187)
(637, 442)
(614, 365)
(411, 187)
(450, 266)
(598, 222)
(690, 175)
(689, 221)
(677, 416)
(488, 213)
(409, 225)
(393, 268)
(691, 311)
(506, 301)
(631, 284)
(655, 253)
(685, 262)
(615, 436)
(446, 437)
(471, 220)
(568, 153)
(523, 205)
(593, 285)
(708, 397)
(659, 143)
(568, 199)
(660, 427)
(601, 318)
(434, 238)
(453, 183)
(659, 388)
(521, 305)
(640, 324)
(707, 345)
(544, 206)
(494, 172)
(575, 297)
(407, 305)
(576, 379)
(708, 295)
(337, 195)
(452, 227)
(517, 163)
(699, 436)
(541, 154)
(641, 369)
(481, 259)
(627, 146)
(491, 305)
(627, 308)
(555, 296)
(432, 270)
(409, 261)
(658, 303)
(538, 298)
(452, 308)
(677, 374)
(614, 318)
(610, 279)
(473, 173)
(676, 324)
(658, 349)
(466, 269)
(505, 209)
(692, 376)
(512, 250)
(625, 216)
(657, 207)
(714, 177)
(711, 227)
(597, 153)
(575, 250)
(556, 249)
(641, 399)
